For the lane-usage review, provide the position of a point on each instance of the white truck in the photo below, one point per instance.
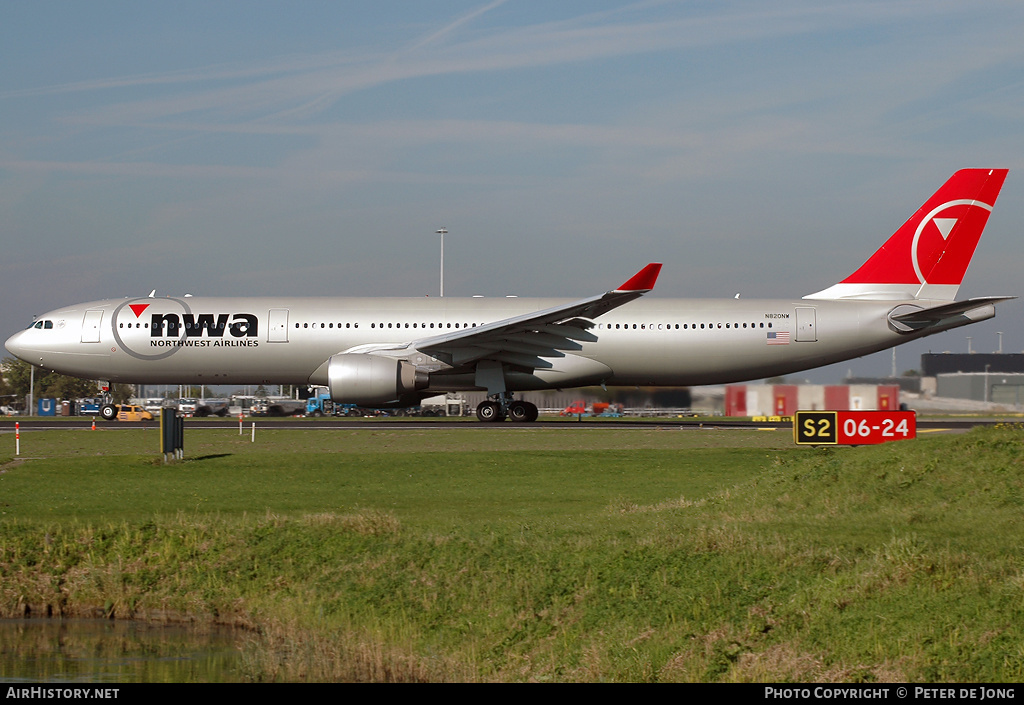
(449, 404)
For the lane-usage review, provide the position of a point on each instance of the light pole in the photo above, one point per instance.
(1000, 334)
(442, 232)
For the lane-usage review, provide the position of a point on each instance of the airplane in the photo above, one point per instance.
(392, 352)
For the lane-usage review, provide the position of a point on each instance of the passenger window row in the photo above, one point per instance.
(600, 326)
(388, 325)
(684, 326)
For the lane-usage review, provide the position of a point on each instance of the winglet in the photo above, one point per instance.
(644, 279)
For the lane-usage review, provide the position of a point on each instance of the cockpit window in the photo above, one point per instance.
(48, 324)
(37, 324)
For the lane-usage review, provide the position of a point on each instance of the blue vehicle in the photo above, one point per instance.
(89, 406)
(320, 404)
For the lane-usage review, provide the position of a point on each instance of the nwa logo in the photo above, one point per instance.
(241, 325)
(170, 331)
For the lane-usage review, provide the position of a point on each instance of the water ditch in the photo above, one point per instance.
(39, 650)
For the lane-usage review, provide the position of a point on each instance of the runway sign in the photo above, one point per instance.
(853, 428)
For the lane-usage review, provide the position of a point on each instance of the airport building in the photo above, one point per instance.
(935, 364)
(1004, 389)
(994, 378)
(787, 399)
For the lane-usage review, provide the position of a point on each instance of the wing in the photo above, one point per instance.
(527, 339)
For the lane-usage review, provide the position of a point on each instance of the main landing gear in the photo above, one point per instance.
(498, 407)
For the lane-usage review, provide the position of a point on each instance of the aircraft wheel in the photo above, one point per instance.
(523, 411)
(108, 412)
(534, 412)
(489, 411)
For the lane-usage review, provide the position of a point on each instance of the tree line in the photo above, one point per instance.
(15, 382)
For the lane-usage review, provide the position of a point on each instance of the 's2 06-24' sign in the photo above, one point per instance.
(854, 428)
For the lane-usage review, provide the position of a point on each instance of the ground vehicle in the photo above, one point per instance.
(130, 412)
(577, 408)
(320, 404)
(444, 405)
(154, 404)
(87, 407)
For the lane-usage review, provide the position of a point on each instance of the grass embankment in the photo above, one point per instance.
(549, 555)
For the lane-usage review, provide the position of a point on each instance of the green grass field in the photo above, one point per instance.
(635, 554)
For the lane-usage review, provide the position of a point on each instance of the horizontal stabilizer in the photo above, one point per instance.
(941, 313)
(909, 318)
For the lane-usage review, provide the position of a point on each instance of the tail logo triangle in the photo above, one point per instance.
(945, 226)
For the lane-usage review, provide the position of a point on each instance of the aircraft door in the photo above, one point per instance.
(91, 326)
(277, 330)
(806, 325)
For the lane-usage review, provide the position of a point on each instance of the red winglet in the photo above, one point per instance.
(644, 279)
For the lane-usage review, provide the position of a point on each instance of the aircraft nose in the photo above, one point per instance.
(16, 346)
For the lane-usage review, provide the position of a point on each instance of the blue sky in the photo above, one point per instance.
(230, 148)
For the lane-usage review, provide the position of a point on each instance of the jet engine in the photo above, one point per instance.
(371, 380)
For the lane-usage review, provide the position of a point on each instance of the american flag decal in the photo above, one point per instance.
(778, 337)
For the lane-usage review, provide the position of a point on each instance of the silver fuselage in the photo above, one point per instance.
(656, 342)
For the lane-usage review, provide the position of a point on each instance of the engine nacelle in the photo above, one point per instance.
(371, 380)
